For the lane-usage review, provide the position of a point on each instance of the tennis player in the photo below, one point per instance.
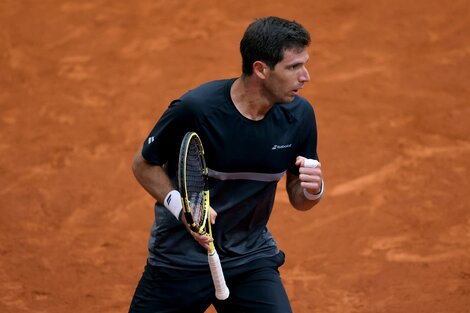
(255, 129)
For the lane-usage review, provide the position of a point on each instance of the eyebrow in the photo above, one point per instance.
(297, 63)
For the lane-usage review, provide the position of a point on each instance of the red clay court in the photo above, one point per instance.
(82, 83)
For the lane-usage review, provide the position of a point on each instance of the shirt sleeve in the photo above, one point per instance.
(308, 137)
(163, 142)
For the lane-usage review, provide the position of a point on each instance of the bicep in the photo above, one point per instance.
(152, 178)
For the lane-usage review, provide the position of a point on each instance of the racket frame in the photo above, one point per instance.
(193, 225)
(221, 290)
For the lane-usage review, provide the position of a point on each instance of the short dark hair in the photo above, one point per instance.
(267, 38)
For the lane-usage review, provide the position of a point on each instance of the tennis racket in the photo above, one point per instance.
(194, 190)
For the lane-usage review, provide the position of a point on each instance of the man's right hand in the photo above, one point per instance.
(203, 240)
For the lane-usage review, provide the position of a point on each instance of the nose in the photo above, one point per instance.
(304, 75)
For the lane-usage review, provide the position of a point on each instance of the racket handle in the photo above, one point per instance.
(221, 289)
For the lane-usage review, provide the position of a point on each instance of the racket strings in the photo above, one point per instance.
(195, 183)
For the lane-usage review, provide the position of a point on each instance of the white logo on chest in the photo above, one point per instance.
(276, 147)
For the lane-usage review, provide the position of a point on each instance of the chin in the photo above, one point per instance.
(289, 99)
(286, 99)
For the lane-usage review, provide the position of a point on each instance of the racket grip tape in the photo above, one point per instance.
(221, 289)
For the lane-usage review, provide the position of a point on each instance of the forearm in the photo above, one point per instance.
(296, 194)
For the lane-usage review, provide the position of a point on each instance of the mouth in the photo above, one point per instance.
(297, 91)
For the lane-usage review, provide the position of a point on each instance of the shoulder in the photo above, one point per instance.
(215, 88)
(203, 99)
(300, 104)
(299, 109)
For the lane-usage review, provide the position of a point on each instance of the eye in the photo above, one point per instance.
(294, 67)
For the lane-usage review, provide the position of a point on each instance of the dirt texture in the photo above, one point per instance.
(83, 82)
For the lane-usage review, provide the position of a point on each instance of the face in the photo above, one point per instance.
(284, 82)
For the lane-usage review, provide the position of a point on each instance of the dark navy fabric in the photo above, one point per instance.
(234, 146)
(254, 288)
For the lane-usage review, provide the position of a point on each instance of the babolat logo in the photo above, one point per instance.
(150, 140)
(276, 147)
(168, 200)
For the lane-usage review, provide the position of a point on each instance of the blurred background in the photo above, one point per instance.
(83, 82)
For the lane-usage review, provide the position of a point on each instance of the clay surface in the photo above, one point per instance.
(83, 82)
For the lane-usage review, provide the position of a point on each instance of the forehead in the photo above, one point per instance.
(298, 55)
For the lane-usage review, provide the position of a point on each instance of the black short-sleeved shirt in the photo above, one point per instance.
(246, 159)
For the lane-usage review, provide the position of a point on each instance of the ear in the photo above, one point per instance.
(259, 69)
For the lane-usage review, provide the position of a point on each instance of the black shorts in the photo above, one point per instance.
(255, 287)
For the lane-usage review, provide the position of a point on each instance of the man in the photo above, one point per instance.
(254, 129)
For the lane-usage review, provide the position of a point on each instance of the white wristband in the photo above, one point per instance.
(173, 203)
(316, 196)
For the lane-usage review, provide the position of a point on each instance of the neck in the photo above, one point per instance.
(246, 93)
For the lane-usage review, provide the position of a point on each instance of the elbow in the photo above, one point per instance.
(304, 205)
(135, 166)
(137, 163)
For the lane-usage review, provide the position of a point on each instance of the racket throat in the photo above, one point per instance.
(211, 250)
